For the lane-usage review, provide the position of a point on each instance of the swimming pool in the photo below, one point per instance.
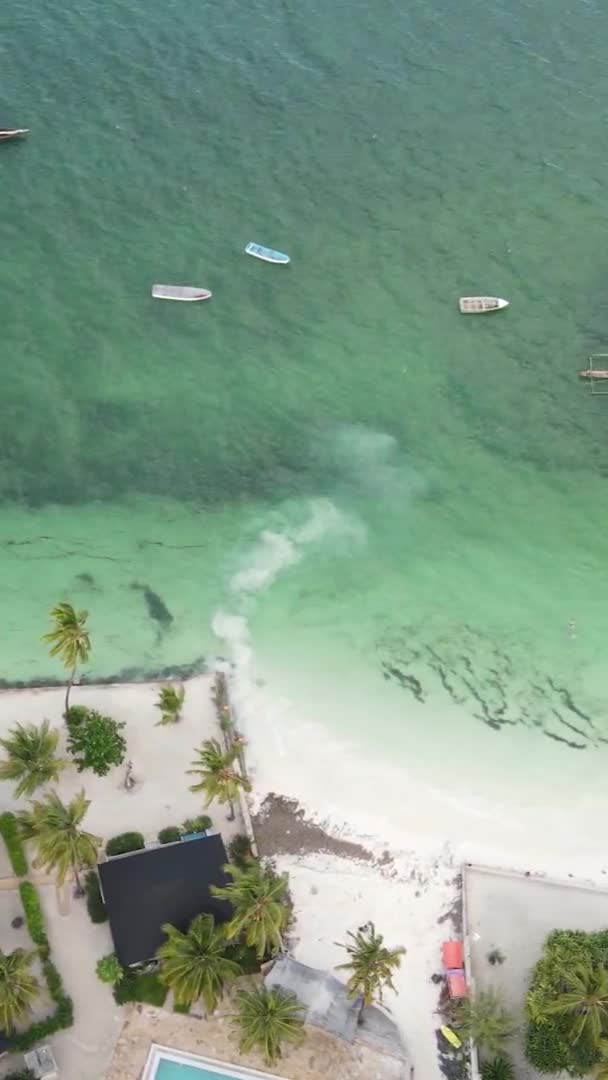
(165, 1063)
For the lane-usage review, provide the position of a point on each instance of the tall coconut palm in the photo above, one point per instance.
(30, 757)
(54, 829)
(266, 1019)
(69, 640)
(371, 964)
(218, 777)
(260, 912)
(484, 1020)
(194, 964)
(18, 987)
(170, 702)
(583, 1002)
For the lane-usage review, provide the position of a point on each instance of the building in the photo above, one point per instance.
(142, 890)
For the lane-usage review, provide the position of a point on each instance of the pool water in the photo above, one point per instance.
(175, 1070)
(169, 1069)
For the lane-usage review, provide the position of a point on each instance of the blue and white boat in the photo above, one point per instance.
(267, 254)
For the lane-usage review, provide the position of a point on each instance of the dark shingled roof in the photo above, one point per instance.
(168, 884)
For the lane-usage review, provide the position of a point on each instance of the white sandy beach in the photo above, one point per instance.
(429, 828)
(161, 797)
(419, 835)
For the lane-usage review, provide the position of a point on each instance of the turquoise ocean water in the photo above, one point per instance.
(407, 506)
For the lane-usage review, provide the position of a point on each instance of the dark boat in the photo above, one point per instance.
(12, 133)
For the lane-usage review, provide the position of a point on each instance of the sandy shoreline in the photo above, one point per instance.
(360, 840)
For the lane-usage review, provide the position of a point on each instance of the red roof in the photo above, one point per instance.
(457, 984)
(452, 955)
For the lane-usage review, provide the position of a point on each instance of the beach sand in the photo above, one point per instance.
(360, 840)
(161, 797)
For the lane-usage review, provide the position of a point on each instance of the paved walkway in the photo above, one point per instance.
(8, 883)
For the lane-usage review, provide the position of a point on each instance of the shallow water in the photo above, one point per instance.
(406, 506)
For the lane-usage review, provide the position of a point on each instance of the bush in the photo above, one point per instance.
(95, 741)
(140, 986)
(63, 1016)
(75, 716)
(550, 1047)
(10, 834)
(21, 1074)
(170, 835)
(109, 969)
(126, 841)
(95, 905)
(500, 1068)
(34, 918)
(197, 824)
(239, 849)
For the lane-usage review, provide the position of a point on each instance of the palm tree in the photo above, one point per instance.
(484, 1020)
(69, 640)
(260, 913)
(194, 964)
(584, 1002)
(601, 1069)
(498, 1068)
(371, 964)
(54, 828)
(218, 778)
(18, 987)
(266, 1019)
(31, 757)
(170, 702)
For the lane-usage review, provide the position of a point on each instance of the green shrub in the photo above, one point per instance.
(95, 742)
(63, 1016)
(34, 917)
(124, 842)
(500, 1068)
(140, 986)
(197, 824)
(95, 905)
(10, 834)
(170, 835)
(109, 969)
(239, 849)
(550, 1047)
(21, 1074)
(75, 716)
(53, 980)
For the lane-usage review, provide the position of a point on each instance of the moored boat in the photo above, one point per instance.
(180, 292)
(12, 133)
(267, 254)
(593, 373)
(479, 305)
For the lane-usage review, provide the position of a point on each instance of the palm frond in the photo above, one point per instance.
(30, 757)
(194, 964)
(371, 964)
(18, 987)
(260, 912)
(268, 1018)
(54, 829)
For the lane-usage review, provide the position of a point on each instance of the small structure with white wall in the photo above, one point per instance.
(42, 1063)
